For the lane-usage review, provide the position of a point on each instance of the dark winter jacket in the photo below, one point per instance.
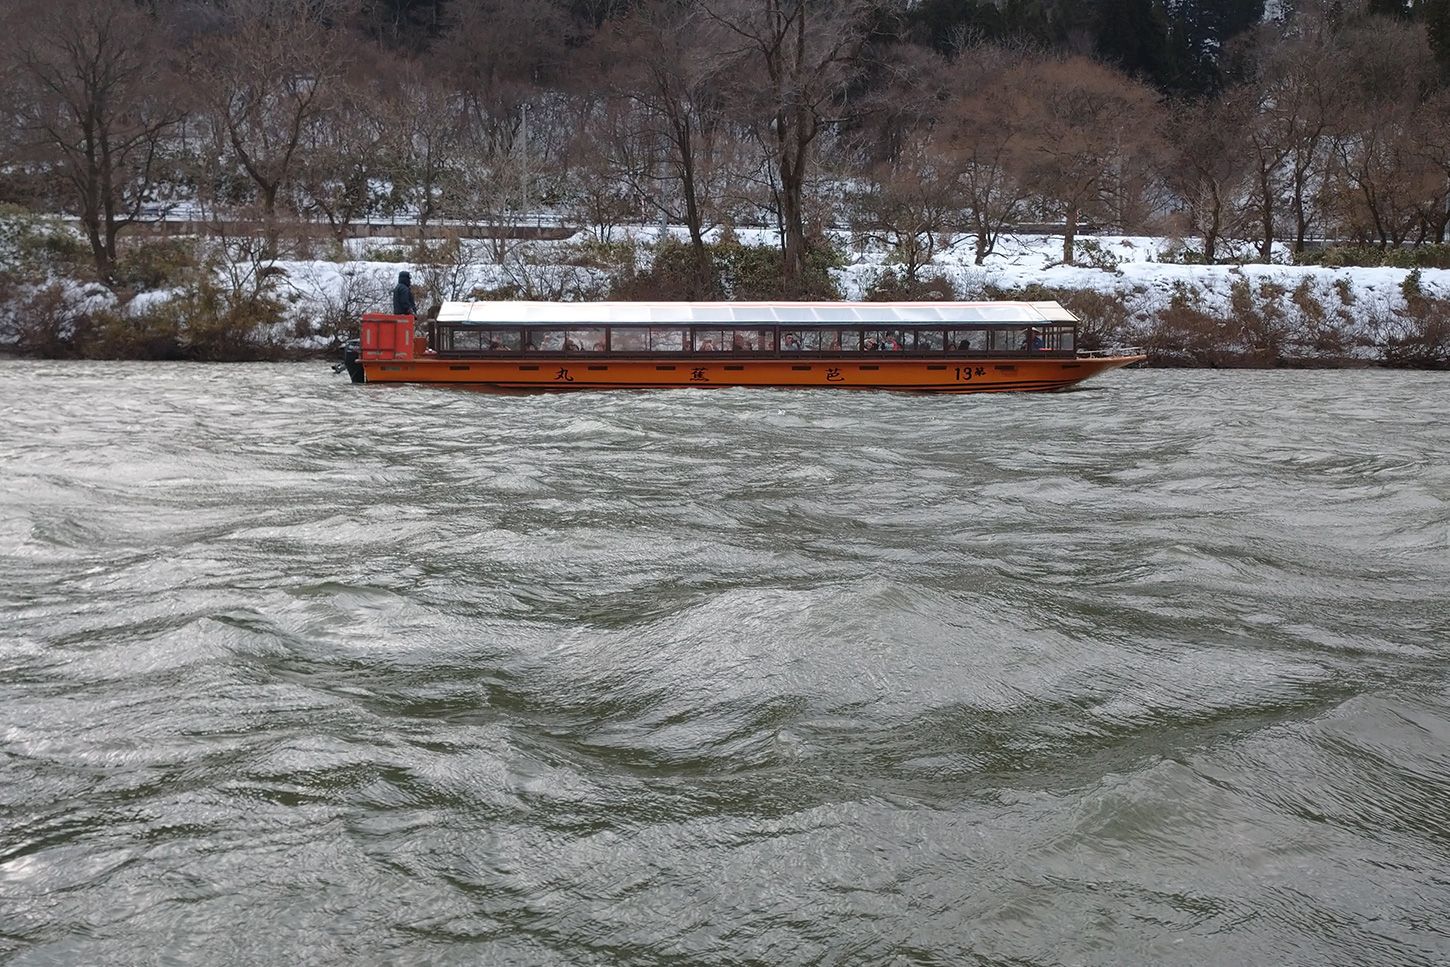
(403, 296)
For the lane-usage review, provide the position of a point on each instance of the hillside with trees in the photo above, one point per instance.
(164, 162)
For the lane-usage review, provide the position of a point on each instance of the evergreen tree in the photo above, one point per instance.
(944, 25)
(1436, 16)
(1133, 34)
(1389, 8)
(1199, 33)
(405, 25)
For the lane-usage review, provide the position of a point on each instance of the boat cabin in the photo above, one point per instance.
(921, 347)
(754, 330)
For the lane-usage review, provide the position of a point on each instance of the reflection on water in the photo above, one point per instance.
(1154, 671)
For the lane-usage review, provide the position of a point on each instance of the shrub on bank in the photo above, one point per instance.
(1105, 318)
(890, 287)
(1406, 257)
(755, 272)
(53, 320)
(125, 333)
(669, 270)
(730, 269)
(1419, 336)
(45, 305)
(217, 324)
(145, 265)
(544, 274)
(34, 246)
(1253, 323)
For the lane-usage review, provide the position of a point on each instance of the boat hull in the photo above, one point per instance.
(542, 373)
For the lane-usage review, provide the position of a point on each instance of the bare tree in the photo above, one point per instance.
(404, 25)
(481, 194)
(1433, 145)
(426, 136)
(266, 81)
(662, 60)
(904, 91)
(608, 164)
(1306, 73)
(1269, 147)
(1084, 126)
(344, 155)
(92, 103)
(1382, 178)
(1208, 170)
(1386, 181)
(1298, 93)
(792, 61)
(910, 207)
(495, 55)
(984, 138)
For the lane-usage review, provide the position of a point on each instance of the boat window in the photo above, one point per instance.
(750, 340)
(709, 340)
(668, 339)
(629, 339)
(547, 340)
(645, 339)
(966, 340)
(585, 340)
(791, 341)
(850, 340)
(1005, 340)
(929, 340)
(882, 340)
(462, 340)
(502, 340)
(820, 340)
(559, 340)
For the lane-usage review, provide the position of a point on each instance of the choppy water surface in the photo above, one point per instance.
(295, 671)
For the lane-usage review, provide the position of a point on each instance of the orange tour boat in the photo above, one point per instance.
(925, 347)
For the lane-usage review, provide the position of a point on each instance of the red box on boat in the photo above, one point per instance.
(386, 337)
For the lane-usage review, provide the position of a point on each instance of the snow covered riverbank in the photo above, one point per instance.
(214, 299)
(1127, 290)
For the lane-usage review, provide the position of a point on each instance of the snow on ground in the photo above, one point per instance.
(1132, 269)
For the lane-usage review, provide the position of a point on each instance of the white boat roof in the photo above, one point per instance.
(728, 314)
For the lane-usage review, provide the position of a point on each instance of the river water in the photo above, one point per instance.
(296, 671)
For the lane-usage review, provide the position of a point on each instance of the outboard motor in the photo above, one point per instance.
(350, 355)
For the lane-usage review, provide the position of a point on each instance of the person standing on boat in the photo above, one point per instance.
(403, 304)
